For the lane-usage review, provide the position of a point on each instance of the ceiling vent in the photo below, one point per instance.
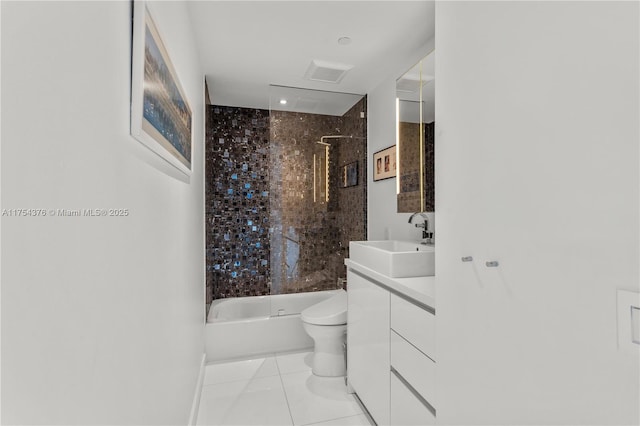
(326, 72)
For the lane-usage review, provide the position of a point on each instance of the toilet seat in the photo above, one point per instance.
(332, 311)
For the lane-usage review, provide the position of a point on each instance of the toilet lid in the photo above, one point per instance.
(332, 311)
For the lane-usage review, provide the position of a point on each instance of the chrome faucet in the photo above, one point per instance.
(427, 237)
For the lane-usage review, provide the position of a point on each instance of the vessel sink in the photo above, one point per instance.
(395, 259)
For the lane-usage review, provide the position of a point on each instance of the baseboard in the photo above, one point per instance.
(193, 417)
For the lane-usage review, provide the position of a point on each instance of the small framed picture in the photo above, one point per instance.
(384, 164)
(350, 175)
(161, 118)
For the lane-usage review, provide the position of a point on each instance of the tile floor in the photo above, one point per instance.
(275, 390)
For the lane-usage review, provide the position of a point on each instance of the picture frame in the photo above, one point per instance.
(384, 164)
(161, 118)
(350, 175)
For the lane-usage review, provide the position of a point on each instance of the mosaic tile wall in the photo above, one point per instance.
(352, 201)
(237, 202)
(313, 237)
(306, 233)
(265, 233)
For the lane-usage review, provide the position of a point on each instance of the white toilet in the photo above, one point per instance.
(326, 323)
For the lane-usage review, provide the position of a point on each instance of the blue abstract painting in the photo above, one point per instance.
(166, 114)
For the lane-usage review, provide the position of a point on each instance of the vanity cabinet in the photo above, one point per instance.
(406, 407)
(391, 347)
(412, 363)
(415, 323)
(368, 344)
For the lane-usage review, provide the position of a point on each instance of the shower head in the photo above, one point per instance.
(322, 142)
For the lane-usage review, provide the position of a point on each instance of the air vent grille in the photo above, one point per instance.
(326, 71)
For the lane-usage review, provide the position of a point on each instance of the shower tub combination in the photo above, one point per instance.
(243, 327)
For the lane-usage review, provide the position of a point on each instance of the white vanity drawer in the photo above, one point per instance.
(415, 324)
(406, 408)
(416, 368)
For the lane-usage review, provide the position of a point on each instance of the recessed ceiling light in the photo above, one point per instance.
(343, 41)
(283, 101)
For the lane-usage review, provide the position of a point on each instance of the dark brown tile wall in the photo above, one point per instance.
(271, 237)
(352, 201)
(305, 232)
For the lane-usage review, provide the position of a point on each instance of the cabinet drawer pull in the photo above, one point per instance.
(467, 259)
(492, 264)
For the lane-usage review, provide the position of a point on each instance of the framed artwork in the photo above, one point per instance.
(161, 118)
(384, 164)
(350, 175)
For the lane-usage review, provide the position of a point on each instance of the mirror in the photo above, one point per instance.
(415, 123)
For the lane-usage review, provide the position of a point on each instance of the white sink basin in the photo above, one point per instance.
(395, 259)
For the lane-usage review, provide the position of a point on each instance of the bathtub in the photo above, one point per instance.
(244, 327)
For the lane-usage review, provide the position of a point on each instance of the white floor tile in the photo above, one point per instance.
(259, 401)
(240, 370)
(359, 420)
(316, 399)
(294, 362)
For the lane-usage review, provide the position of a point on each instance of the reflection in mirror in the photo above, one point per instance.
(415, 110)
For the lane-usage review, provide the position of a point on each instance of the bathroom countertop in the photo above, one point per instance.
(420, 289)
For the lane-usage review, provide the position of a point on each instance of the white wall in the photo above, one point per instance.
(102, 318)
(382, 220)
(537, 159)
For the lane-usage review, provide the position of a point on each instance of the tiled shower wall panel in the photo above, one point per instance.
(237, 202)
(352, 201)
(305, 231)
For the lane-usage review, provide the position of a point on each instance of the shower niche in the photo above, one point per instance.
(279, 217)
